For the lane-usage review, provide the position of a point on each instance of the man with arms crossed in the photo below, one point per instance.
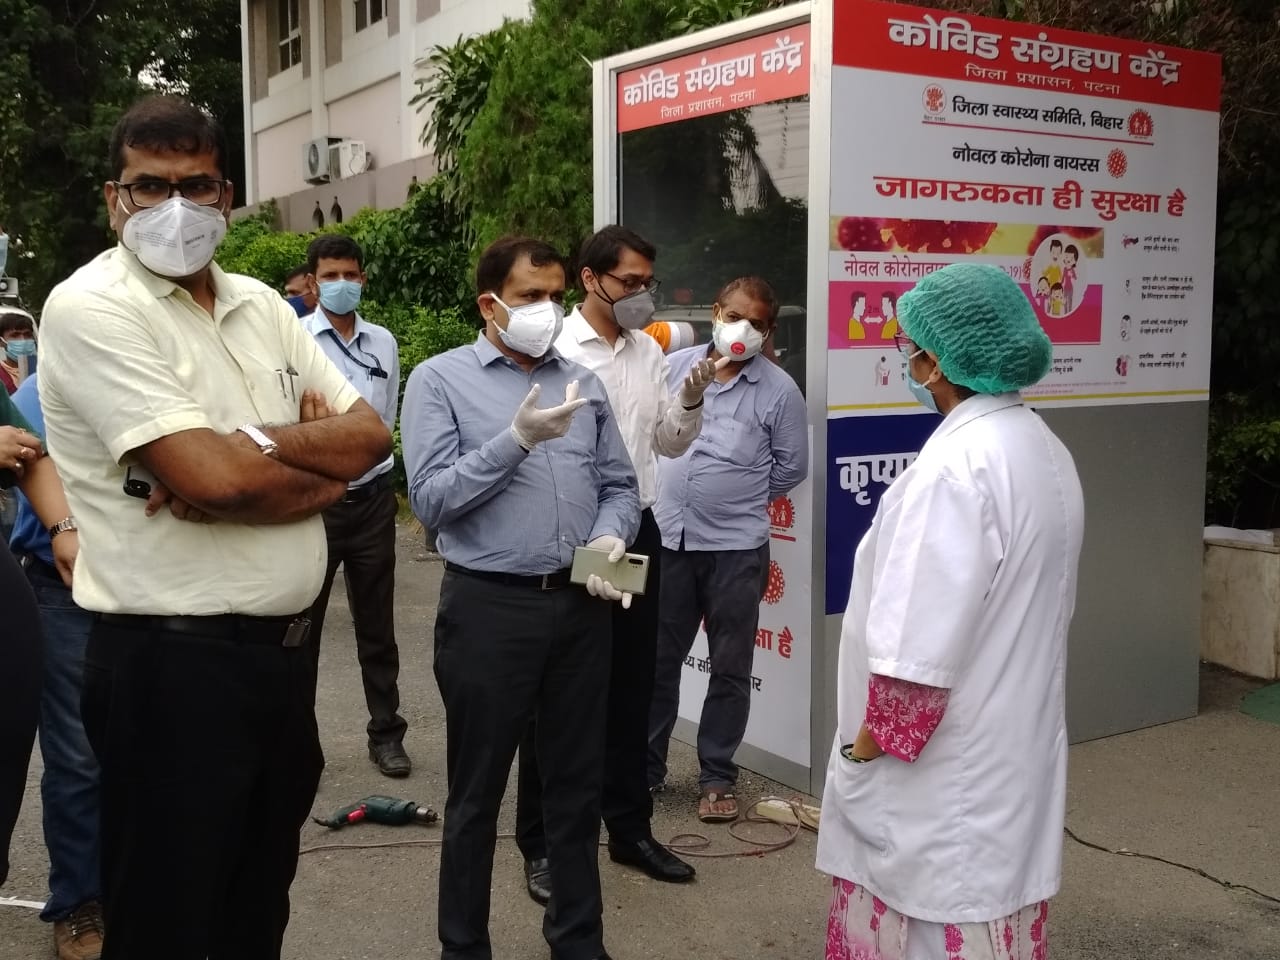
(166, 374)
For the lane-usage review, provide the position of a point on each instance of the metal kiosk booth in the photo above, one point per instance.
(843, 149)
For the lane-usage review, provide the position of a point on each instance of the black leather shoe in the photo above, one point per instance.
(391, 759)
(653, 858)
(537, 880)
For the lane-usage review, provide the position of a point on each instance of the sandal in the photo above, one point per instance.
(710, 799)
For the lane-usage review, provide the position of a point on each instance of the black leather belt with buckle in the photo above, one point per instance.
(537, 581)
(367, 490)
(232, 627)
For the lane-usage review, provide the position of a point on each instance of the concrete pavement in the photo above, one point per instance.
(1201, 793)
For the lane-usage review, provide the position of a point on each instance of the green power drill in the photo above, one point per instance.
(388, 810)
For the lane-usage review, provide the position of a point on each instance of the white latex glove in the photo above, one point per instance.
(599, 587)
(613, 544)
(533, 425)
(699, 378)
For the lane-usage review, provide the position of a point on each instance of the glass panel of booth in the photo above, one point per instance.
(718, 177)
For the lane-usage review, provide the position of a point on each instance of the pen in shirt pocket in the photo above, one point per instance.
(290, 392)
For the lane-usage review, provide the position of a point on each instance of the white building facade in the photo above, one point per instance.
(327, 85)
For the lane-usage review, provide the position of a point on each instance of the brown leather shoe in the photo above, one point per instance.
(79, 937)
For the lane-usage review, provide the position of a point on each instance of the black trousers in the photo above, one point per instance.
(19, 694)
(626, 804)
(362, 538)
(210, 761)
(503, 656)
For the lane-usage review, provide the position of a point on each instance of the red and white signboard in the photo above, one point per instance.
(780, 680)
(1084, 166)
(768, 67)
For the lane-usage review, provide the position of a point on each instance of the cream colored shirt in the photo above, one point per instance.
(653, 423)
(127, 357)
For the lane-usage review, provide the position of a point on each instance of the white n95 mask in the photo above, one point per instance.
(174, 239)
(531, 327)
(738, 340)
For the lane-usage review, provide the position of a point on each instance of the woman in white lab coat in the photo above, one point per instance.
(943, 810)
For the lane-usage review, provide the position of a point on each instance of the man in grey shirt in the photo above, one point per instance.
(712, 511)
(512, 490)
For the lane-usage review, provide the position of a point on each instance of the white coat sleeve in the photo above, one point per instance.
(932, 575)
(677, 427)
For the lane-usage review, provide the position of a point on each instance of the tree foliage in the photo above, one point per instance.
(525, 160)
(453, 83)
(70, 68)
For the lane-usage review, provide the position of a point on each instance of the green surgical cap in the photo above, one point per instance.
(980, 325)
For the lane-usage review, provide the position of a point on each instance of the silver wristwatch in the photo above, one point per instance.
(265, 443)
(62, 526)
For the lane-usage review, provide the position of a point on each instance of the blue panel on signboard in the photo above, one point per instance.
(864, 454)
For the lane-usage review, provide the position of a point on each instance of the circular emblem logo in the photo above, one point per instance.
(738, 349)
(782, 513)
(935, 98)
(1141, 124)
(1117, 163)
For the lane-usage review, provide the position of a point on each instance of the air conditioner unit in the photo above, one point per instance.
(347, 158)
(316, 167)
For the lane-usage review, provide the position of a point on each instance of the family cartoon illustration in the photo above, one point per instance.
(1055, 288)
(874, 327)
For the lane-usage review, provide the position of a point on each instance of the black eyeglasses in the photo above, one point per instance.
(632, 285)
(904, 345)
(201, 191)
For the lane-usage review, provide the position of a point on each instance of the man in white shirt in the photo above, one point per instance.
(604, 334)
(361, 527)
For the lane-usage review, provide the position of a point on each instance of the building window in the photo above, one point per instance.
(289, 31)
(369, 12)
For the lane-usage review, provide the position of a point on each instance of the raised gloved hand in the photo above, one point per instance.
(533, 425)
(598, 586)
(699, 378)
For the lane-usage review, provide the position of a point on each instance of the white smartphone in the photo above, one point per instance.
(628, 574)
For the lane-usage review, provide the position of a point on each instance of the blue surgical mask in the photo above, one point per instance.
(299, 305)
(919, 390)
(340, 296)
(20, 348)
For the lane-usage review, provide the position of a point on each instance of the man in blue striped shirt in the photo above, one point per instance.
(512, 489)
(712, 510)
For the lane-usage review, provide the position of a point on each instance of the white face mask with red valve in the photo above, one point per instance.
(738, 340)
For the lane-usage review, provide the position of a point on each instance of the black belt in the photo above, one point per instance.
(30, 563)
(538, 581)
(234, 627)
(366, 490)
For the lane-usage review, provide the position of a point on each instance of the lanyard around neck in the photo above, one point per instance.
(372, 371)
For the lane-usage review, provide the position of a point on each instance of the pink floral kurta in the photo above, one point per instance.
(863, 927)
(902, 715)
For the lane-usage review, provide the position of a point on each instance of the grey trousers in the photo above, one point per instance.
(722, 589)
